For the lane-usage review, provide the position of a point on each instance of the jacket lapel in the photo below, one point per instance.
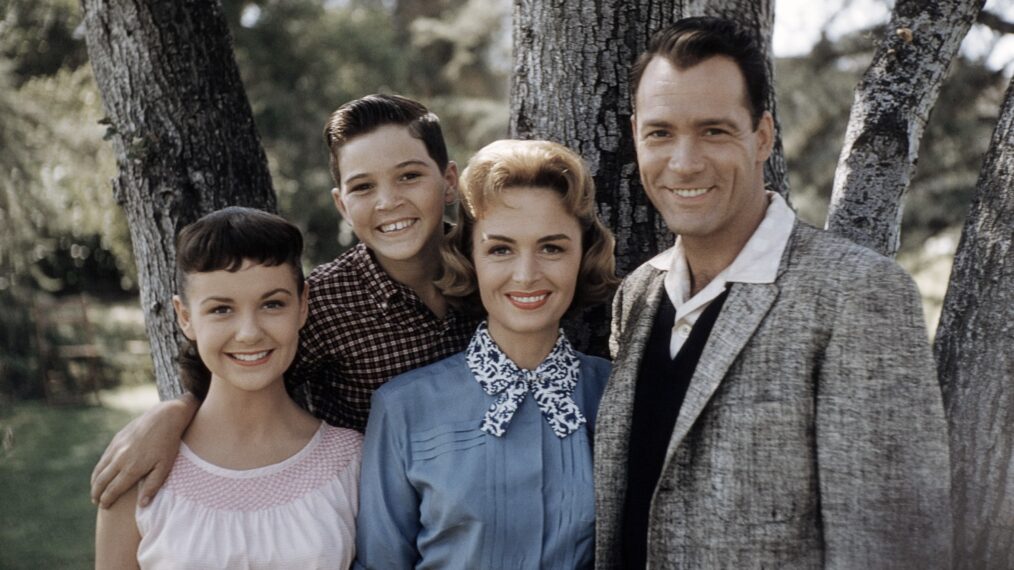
(744, 309)
(743, 312)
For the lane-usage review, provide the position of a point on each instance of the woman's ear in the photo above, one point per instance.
(183, 317)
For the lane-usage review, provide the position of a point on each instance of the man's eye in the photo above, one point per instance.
(410, 175)
(713, 132)
(658, 134)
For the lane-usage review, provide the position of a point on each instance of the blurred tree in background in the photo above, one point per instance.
(62, 232)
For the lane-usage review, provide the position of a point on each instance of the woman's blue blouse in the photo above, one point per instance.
(437, 492)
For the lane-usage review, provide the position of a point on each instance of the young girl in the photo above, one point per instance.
(484, 459)
(258, 481)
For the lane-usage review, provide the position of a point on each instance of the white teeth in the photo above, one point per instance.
(250, 357)
(399, 225)
(532, 299)
(689, 192)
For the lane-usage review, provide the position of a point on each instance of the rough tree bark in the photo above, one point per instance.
(976, 363)
(183, 135)
(569, 84)
(892, 104)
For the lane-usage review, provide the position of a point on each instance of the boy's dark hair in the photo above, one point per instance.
(223, 240)
(693, 40)
(364, 115)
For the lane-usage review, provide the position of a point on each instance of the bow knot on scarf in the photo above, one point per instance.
(551, 384)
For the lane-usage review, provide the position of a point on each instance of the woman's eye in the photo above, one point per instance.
(360, 188)
(274, 304)
(499, 250)
(220, 310)
(552, 248)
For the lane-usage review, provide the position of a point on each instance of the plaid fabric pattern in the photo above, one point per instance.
(364, 328)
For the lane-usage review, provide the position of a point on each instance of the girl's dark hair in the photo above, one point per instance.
(223, 240)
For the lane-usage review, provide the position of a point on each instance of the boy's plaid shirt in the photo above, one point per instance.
(363, 329)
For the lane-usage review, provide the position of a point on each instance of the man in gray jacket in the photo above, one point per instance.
(773, 402)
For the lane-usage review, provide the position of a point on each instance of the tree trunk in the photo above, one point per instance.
(570, 84)
(892, 104)
(183, 135)
(976, 363)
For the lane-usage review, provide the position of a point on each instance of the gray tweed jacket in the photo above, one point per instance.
(812, 434)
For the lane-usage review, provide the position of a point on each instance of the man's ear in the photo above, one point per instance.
(633, 126)
(451, 183)
(336, 195)
(183, 317)
(765, 136)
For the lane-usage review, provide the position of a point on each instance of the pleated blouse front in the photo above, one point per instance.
(437, 492)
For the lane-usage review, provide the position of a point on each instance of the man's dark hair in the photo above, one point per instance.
(223, 240)
(693, 40)
(364, 115)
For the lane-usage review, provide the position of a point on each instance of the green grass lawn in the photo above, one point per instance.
(46, 517)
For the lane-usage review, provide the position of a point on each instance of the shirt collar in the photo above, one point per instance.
(551, 383)
(376, 281)
(757, 262)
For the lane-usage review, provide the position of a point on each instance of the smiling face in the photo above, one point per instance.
(701, 160)
(393, 195)
(245, 323)
(527, 252)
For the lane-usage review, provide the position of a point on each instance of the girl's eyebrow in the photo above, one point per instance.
(276, 291)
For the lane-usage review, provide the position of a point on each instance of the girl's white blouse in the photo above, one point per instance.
(296, 514)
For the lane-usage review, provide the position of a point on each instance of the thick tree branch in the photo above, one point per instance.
(892, 104)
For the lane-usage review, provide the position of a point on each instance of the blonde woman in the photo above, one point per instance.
(484, 459)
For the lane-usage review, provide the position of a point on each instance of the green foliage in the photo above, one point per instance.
(58, 219)
(40, 37)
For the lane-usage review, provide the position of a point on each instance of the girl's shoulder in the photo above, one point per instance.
(345, 442)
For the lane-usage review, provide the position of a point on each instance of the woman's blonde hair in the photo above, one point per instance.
(506, 164)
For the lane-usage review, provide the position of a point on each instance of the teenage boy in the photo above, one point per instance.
(374, 311)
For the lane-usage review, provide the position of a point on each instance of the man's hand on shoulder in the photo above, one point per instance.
(144, 448)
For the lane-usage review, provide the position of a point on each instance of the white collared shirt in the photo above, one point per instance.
(757, 262)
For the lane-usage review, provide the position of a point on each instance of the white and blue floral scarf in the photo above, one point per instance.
(551, 384)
